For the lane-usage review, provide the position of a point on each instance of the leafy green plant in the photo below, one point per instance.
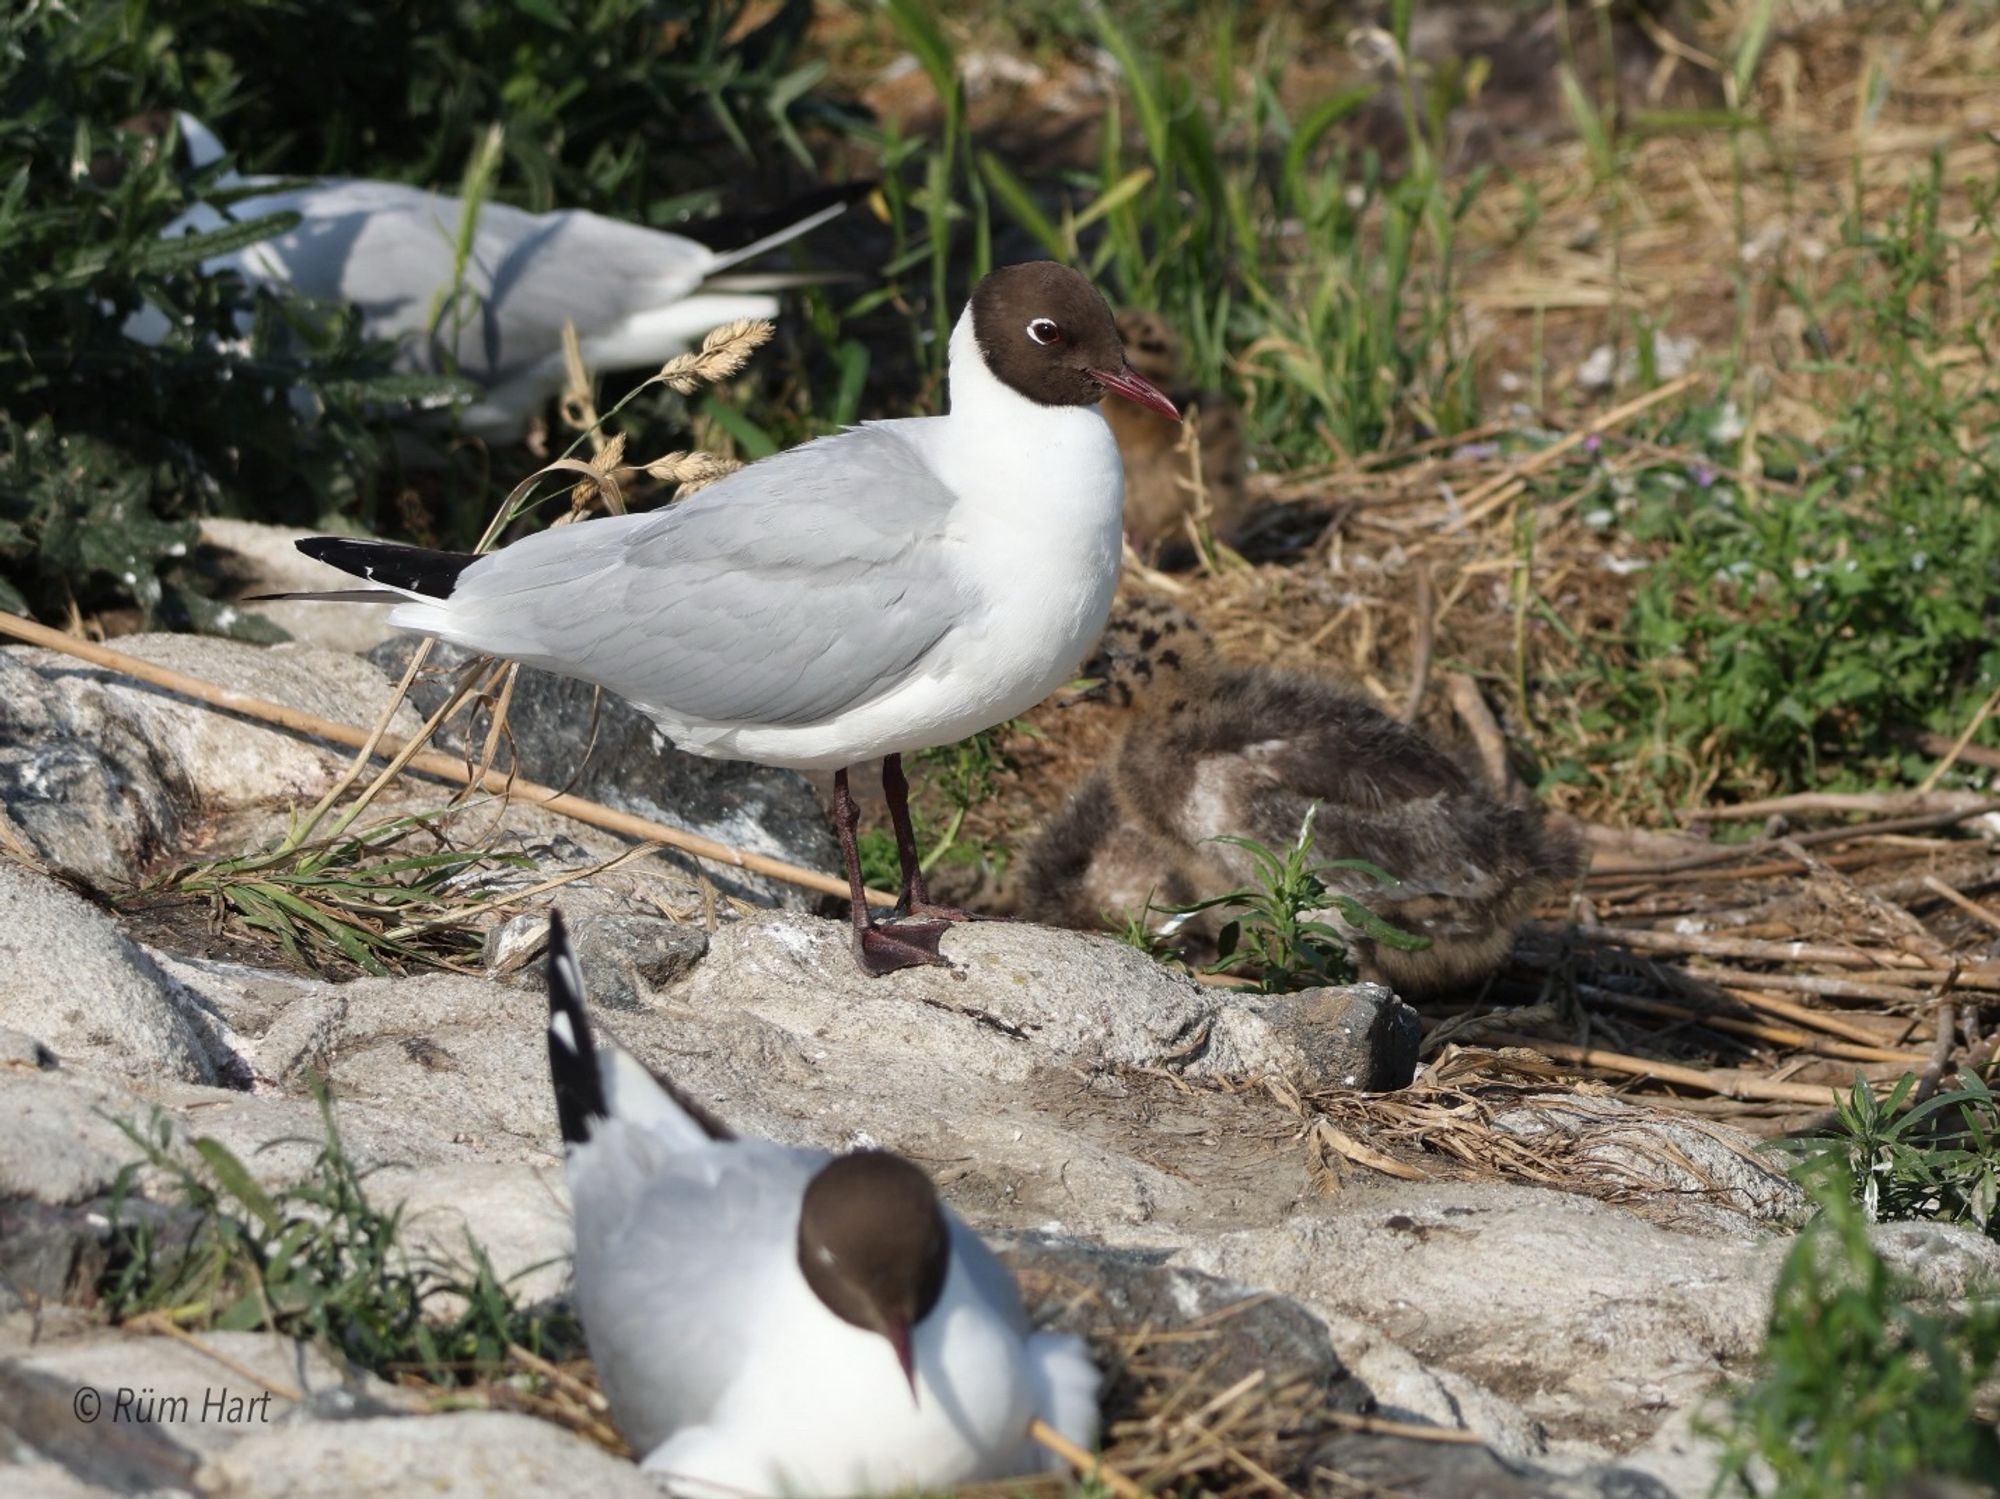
(1938, 1160)
(110, 448)
(635, 108)
(1801, 632)
(1858, 1387)
(274, 408)
(1272, 928)
(312, 1260)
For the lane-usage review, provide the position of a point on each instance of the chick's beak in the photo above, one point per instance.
(1129, 383)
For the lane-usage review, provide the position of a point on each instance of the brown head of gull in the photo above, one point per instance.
(899, 585)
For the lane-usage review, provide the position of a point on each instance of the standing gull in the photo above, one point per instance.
(895, 586)
(771, 1320)
(637, 296)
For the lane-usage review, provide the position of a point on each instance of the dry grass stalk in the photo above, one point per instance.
(1726, 1081)
(1451, 1113)
(722, 356)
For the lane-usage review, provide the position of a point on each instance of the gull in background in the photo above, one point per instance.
(772, 1320)
(895, 586)
(637, 296)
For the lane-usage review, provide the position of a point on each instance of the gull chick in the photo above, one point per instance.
(898, 585)
(637, 296)
(771, 1320)
(1222, 749)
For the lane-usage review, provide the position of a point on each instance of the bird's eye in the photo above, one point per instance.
(1045, 331)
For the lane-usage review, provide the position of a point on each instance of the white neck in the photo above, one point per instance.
(996, 432)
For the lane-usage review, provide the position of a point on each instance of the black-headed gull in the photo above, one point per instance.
(771, 1320)
(637, 296)
(898, 585)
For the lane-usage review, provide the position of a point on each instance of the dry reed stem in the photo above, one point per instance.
(1709, 1080)
(1088, 1465)
(1957, 898)
(162, 1324)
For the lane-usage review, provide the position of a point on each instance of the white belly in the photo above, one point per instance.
(827, 1412)
(1044, 590)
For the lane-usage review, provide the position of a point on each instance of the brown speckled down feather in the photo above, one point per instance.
(1216, 748)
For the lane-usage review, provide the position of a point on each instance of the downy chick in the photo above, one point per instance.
(1219, 748)
(1159, 480)
(1091, 867)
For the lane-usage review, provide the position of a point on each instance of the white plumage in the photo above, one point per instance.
(902, 584)
(724, 1369)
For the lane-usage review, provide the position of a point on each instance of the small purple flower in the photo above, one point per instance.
(1702, 474)
(1592, 443)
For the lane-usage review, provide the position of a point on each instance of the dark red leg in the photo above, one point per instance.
(877, 950)
(916, 900)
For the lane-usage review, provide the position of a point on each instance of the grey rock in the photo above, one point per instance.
(104, 776)
(470, 1452)
(1088, 1000)
(1939, 1261)
(50, 1450)
(1689, 1167)
(628, 955)
(1090, 1290)
(255, 558)
(1588, 1318)
(1371, 1462)
(1360, 1036)
(19, 1049)
(565, 733)
(75, 984)
(1061, 1088)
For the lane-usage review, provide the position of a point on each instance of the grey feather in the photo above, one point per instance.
(770, 597)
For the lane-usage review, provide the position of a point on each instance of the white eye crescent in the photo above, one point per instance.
(1045, 331)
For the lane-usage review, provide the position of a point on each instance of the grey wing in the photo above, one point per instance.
(808, 582)
(389, 249)
(671, 1269)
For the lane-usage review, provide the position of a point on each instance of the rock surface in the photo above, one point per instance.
(1137, 1140)
(71, 981)
(255, 558)
(103, 775)
(564, 733)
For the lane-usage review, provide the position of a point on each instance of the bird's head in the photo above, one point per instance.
(874, 1247)
(1044, 332)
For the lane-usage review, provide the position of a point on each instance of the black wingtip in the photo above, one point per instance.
(572, 1052)
(416, 569)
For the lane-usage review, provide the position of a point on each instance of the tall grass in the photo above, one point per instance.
(1802, 630)
(1304, 278)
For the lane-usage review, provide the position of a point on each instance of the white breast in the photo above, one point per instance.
(823, 1408)
(1040, 497)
